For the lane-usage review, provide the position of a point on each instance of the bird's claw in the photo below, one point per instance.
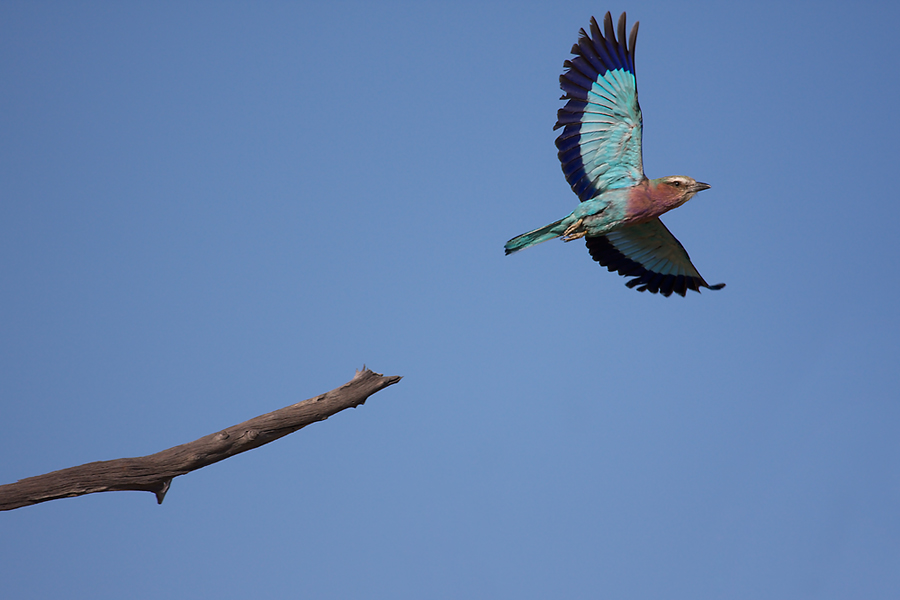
(574, 231)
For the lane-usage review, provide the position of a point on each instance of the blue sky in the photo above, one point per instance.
(210, 211)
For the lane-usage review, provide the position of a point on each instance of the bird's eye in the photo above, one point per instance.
(676, 183)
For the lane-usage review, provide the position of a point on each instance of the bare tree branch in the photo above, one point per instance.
(154, 473)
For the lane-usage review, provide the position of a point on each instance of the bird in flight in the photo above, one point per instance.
(600, 152)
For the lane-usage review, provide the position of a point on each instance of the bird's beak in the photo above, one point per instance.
(700, 186)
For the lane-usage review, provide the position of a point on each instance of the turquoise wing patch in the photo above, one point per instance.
(600, 143)
(651, 254)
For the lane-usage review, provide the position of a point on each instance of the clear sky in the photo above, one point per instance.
(212, 210)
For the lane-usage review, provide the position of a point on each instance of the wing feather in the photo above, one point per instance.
(601, 119)
(651, 254)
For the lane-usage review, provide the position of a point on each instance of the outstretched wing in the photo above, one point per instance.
(600, 145)
(650, 253)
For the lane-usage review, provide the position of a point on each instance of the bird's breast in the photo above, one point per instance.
(643, 206)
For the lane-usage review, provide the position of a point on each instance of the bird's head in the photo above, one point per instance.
(679, 188)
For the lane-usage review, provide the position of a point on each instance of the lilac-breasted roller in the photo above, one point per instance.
(600, 152)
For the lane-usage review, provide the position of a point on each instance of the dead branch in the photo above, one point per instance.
(154, 473)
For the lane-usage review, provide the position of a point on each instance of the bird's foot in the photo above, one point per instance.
(574, 231)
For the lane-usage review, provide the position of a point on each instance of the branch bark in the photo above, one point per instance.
(154, 473)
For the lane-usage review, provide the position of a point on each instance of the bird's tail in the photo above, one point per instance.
(532, 238)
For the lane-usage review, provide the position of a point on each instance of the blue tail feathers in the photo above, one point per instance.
(532, 238)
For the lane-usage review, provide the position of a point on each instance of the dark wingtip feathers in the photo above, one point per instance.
(607, 255)
(608, 27)
(632, 39)
(606, 49)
